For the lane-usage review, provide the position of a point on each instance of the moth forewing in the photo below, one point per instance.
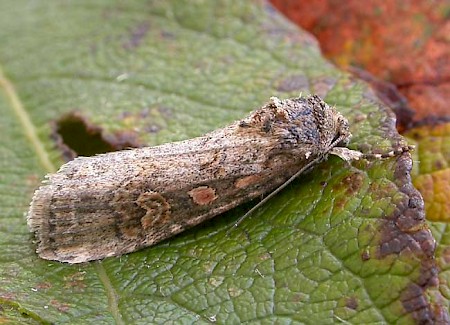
(119, 202)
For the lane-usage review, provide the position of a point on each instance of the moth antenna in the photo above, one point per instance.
(282, 186)
(396, 152)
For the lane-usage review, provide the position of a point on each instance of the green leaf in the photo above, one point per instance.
(342, 243)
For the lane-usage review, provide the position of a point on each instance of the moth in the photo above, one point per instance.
(116, 203)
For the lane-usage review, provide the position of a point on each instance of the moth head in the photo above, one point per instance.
(298, 123)
(333, 126)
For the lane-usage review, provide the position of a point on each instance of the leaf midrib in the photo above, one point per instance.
(25, 121)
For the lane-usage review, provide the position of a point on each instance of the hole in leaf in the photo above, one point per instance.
(76, 136)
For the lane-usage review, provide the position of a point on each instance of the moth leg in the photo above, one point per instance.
(277, 190)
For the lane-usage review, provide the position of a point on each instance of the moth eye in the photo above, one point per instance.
(343, 141)
(336, 137)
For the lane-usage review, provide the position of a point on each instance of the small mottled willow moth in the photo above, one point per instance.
(116, 203)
